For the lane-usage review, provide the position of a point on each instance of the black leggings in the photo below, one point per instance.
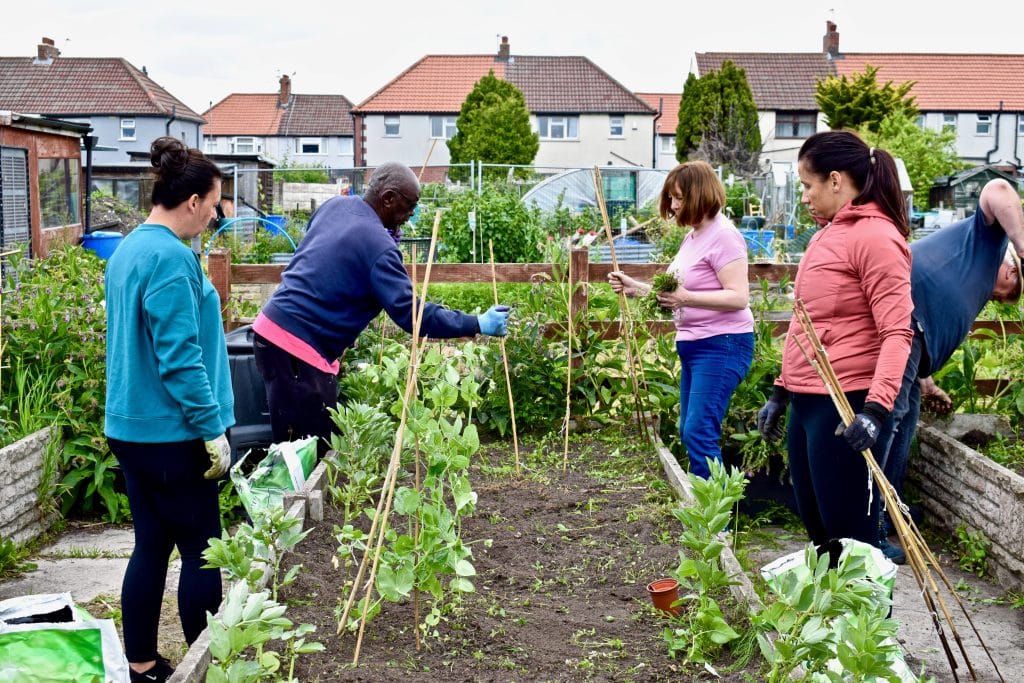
(830, 480)
(172, 505)
(298, 395)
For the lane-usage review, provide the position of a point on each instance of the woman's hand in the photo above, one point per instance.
(675, 299)
(624, 284)
(933, 398)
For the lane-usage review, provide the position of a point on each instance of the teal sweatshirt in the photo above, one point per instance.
(167, 363)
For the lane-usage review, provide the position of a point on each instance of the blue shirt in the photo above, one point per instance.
(167, 362)
(952, 276)
(347, 270)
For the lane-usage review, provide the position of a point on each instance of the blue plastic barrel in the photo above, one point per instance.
(278, 224)
(102, 242)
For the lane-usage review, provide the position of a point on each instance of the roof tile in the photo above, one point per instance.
(783, 80)
(259, 114)
(84, 86)
(668, 102)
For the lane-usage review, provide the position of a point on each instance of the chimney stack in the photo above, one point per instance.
(830, 43)
(286, 91)
(46, 51)
(503, 50)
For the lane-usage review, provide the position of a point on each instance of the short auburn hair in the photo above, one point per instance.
(702, 193)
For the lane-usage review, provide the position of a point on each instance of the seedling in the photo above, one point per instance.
(649, 308)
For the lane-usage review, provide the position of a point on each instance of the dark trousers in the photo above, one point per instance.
(297, 393)
(172, 505)
(712, 368)
(830, 480)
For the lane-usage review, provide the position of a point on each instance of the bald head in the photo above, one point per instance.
(393, 192)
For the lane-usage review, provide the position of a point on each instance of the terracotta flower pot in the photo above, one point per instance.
(663, 593)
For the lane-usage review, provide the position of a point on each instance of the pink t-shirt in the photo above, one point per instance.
(702, 254)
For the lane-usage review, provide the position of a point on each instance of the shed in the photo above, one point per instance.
(961, 191)
(40, 182)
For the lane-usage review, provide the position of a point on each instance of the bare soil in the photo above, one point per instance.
(560, 591)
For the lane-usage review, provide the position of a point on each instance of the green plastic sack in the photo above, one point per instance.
(48, 638)
(286, 467)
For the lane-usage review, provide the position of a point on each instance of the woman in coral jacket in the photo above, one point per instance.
(854, 280)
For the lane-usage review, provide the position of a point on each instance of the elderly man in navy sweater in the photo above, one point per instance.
(347, 269)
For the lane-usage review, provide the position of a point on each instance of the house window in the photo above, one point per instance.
(795, 124)
(668, 144)
(391, 126)
(442, 127)
(58, 192)
(309, 146)
(243, 145)
(127, 129)
(1020, 125)
(347, 146)
(949, 122)
(919, 121)
(209, 145)
(616, 126)
(983, 126)
(558, 127)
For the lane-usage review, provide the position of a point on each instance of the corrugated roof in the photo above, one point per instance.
(947, 82)
(259, 114)
(669, 102)
(84, 86)
(440, 83)
(782, 81)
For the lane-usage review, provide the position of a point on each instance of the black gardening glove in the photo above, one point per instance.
(863, 431)
(769, 418)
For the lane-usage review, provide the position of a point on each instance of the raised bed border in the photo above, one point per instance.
(959, 485)
(20, 476)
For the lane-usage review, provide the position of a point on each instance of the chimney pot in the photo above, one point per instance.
(46, 51)
(830, 43)
(285, 94)
(504, 50)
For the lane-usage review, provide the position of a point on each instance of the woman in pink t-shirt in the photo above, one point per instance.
(710, 308)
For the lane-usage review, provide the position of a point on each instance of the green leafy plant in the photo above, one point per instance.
(648, 306)
(501, 218)
(972, 550)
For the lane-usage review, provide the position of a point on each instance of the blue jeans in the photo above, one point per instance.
(712, 368)
(905, 412)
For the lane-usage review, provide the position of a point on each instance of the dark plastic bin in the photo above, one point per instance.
(252, 413)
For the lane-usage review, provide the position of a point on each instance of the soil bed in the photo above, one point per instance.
(560, 592)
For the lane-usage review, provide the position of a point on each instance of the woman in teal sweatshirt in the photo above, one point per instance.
(169, 401)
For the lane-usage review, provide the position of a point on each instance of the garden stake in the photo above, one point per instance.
(379, 523)
(623, 304)
(568, 367)
(919, 556)
(416, 541)
(424, 166)
(504, 359)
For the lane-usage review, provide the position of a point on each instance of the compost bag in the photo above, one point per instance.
(285, 468)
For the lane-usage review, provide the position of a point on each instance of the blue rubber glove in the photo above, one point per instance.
(769, 418)
(863, 431)
(493, 323)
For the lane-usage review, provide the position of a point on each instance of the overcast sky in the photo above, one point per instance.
(201, 51)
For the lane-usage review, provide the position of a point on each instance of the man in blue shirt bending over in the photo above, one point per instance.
(347, 269)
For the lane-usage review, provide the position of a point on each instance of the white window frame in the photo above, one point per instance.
(236, 142)
(128, 124)
(347, 146)
(567, 127)
(920, 121)
(209, 145)
(668, 144)
(1020, 125)
(949, 121)
(301, 142)
(442, 127)
(983, 124)
(616, 126)
(393, 122)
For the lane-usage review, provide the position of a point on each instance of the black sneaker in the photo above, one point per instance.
(160, 672)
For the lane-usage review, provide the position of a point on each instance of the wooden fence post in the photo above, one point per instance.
(218, 265)
(580, 277)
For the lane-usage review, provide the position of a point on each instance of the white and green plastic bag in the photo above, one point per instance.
(285, 468)
(48, 638)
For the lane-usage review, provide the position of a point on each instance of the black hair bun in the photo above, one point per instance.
(169, 156)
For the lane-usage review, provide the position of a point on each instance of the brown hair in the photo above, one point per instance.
(180, 171)
(872, 170)
(703, 195)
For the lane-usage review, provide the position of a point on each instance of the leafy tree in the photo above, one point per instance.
(501, 217)
(289, 171)
(927, 154)
(493, 127)
(859, 102)
(718, 120)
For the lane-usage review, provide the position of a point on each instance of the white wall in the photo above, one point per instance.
(666, 146)
(338, 153)
(410, 146)
(974, 147)
(596, 146)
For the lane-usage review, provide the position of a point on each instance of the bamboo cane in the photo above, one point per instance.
(430, 151)
(379, 522)
(919, 556)
(623, 304)
(504, 359)
(568, 368)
